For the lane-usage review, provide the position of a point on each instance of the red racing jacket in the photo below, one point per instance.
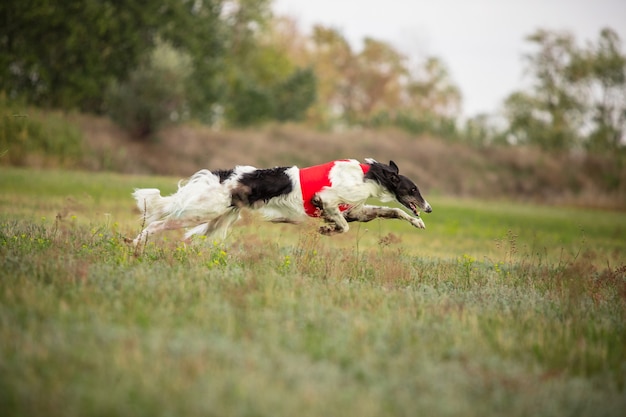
(314, 179)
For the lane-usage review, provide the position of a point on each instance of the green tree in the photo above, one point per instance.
(431, 90)
(295, 95)
(195, 28)
(63, 54)
(558, 104)
(248, 103)
(606, 85)
(524, 126)
(578, 96)
(250, 100)
(154, 94)
(261, 81)
(375, 86)
(381, 73)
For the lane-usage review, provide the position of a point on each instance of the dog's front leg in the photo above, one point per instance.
(331, 215)
(336, 222)
(369, 213)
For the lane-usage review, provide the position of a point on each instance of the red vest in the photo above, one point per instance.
(313, 179)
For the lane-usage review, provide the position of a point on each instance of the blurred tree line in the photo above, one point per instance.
(232, 63)
(577, 99)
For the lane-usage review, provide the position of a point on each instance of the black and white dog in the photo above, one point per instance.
(210, 201)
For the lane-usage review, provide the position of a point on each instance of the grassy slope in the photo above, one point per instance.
(495, 308)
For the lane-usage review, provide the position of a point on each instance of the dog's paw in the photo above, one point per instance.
(332, 229)
(328, 230)
(132, 242)
(418, 222)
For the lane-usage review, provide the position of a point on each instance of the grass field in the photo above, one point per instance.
(496, 308)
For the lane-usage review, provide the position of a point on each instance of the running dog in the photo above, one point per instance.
(211, 201)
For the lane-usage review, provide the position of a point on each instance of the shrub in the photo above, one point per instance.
(153, 95)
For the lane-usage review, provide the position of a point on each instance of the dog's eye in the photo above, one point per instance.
(414, 189)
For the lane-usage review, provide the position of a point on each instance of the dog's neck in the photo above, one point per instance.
(378, 191)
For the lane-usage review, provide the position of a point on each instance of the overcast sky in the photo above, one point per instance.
(480, 41)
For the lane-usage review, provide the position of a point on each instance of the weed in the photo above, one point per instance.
(466, 268)
(285, 266)
(509, 244)
(218, 257)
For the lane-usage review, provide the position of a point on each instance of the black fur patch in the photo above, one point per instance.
(382, 174)
(262, 185)
(224, 174)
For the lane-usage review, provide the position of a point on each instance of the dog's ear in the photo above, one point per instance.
(392, 173)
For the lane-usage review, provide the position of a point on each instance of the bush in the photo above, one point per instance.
(154, 94)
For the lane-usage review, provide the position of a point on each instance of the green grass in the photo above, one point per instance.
(496, 308)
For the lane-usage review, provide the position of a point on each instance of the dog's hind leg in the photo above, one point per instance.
(161, 226)
(218, 227)
(369, 213)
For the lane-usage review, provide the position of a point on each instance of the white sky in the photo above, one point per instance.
(480, 41)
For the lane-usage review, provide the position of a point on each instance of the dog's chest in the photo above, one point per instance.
(313, 180)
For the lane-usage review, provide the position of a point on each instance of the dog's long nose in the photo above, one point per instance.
(428, 208)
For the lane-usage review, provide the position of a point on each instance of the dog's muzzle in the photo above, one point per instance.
(416, 209)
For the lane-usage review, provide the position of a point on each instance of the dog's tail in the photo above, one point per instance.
(150, 203)
(202, 196)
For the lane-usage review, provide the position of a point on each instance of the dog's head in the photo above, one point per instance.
(402, 188)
